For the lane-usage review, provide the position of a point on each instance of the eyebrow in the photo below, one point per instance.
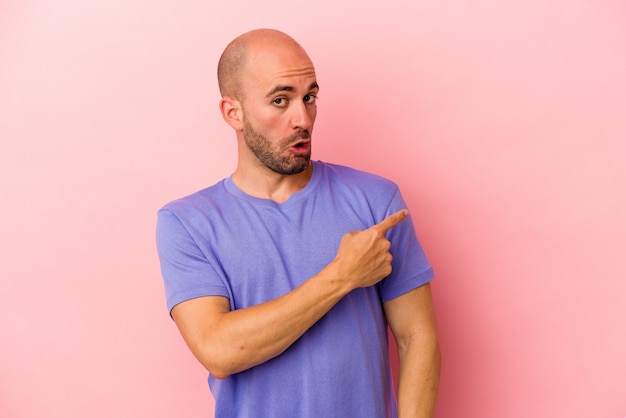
(278, 88)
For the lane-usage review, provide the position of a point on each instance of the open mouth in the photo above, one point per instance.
(301, 147)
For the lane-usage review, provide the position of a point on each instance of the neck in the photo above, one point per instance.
(261, 182)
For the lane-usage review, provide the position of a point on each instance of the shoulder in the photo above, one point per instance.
(355, 178)
(199, 201)
(195, 216)
(197, 211)
(368, 196)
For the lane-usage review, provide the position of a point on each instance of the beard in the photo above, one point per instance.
(275, 157)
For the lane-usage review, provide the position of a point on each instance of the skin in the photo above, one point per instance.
(272, 108)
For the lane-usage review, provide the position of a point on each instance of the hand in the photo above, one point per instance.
(363, 258)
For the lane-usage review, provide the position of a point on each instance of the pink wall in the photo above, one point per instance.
(504, 123)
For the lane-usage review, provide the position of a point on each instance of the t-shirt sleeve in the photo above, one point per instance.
(186, 271)
(410, 267)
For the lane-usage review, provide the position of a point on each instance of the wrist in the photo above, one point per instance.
(335, 279)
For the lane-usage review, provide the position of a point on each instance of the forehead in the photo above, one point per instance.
(272, 65)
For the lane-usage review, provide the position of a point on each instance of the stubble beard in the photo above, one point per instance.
(273, 157)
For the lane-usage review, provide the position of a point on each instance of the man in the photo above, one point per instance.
(281, 278)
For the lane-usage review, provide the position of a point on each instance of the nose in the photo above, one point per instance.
(303, 116)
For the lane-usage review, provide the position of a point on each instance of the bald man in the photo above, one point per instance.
(283, 277)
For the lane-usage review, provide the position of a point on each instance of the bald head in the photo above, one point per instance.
(232, 64)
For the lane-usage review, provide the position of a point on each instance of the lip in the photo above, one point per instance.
(301, 147)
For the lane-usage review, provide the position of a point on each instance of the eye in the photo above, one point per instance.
(280, 101)
(310, 98)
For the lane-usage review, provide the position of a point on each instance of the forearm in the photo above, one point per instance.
(240, 339)
(420, 363)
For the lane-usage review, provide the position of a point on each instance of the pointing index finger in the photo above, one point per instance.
(391, 220)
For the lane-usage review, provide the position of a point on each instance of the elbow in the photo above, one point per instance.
(433, 350)
(219, 373)
(427, 349)
(437, 356)
(219, 366)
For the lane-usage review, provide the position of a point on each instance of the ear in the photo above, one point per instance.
(232, 112)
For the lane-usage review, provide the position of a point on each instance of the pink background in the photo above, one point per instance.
(503, 122)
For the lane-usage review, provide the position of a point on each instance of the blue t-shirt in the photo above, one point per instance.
(221, 241)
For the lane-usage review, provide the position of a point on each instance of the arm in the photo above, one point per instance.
(227, 342)
(412, 321)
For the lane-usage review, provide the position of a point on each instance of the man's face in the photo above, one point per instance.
(279, 108)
